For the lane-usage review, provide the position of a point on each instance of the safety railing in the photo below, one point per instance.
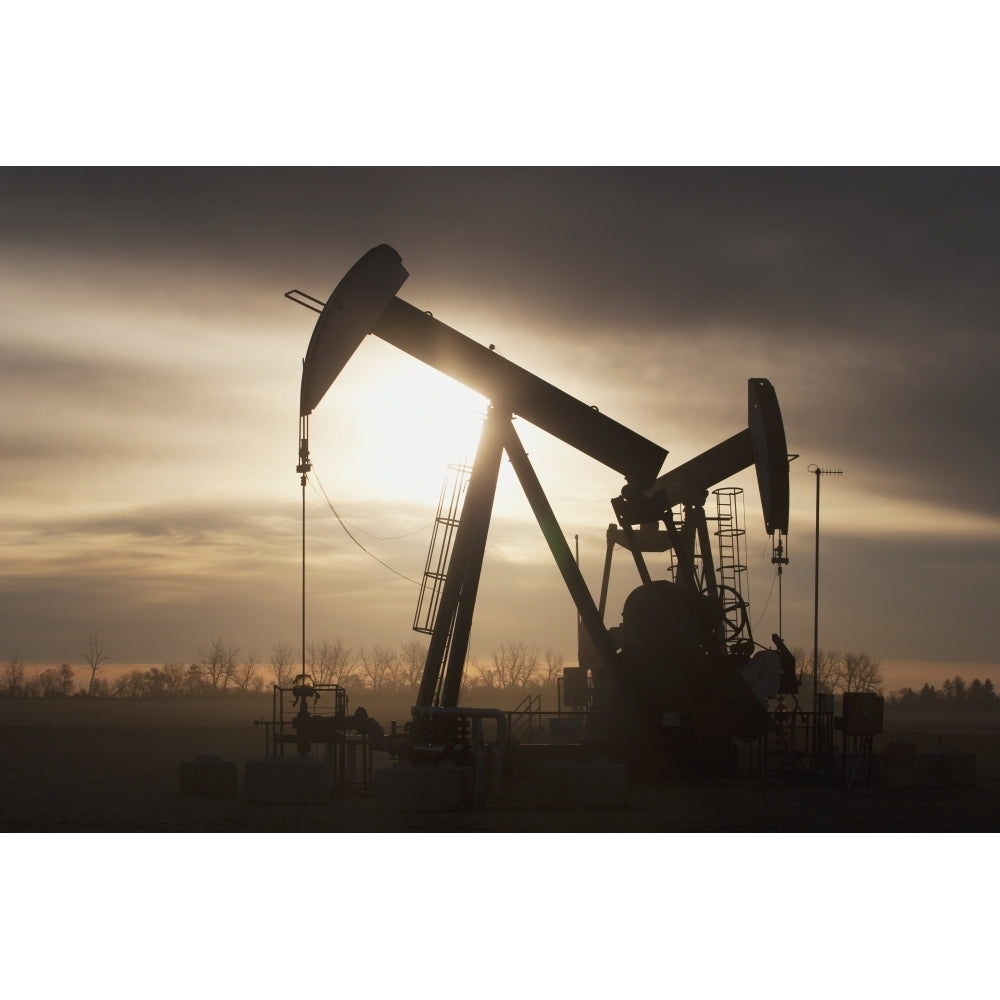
(800, 741)
(548, 728)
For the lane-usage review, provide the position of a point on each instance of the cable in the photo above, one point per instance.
(347, 531)
(768, 601)
(378, 538)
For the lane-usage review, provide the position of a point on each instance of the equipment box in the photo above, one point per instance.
(862, 713)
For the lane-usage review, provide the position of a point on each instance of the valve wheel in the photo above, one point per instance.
(734, 612)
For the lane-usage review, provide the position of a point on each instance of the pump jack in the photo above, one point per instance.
(664, 682)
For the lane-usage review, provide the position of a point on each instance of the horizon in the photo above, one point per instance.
(895, 676)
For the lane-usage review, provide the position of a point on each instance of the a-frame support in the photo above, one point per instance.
(449, 642)
(589, 615)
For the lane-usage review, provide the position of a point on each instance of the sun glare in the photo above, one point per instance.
(390, 426)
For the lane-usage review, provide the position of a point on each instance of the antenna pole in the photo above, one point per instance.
(817, 472)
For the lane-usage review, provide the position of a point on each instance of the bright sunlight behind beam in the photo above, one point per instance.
(390, 426)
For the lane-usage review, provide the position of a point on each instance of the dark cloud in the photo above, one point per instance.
(895, 252)
(933, 596)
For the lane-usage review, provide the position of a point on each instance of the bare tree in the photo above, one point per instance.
(330, 663)
(101, 688)
(859, 672)
(232, 662)
(475, 676)
(134, 684)
(57, 682)
(842, 672)
(220, 660)
(515, 666)
(553, 667)
(830, 671)
(283, 663)
(155, 683)
(194, 679)
(828, 674)
(93, 655)
(245, 671)
(409, 665)
(376, 665)
(13, 677)
(173, 678)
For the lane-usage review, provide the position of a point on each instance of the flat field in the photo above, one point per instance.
(113, 766)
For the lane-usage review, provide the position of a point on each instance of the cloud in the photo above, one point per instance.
(896, 252)
(897, 598)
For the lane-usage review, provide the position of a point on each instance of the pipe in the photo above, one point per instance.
(496, 714)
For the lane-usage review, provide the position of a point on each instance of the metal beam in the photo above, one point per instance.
(452, 623)
(364, 302)
(761, 444)
(513, 388)
(560, 550)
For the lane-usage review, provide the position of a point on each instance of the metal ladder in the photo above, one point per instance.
(449, 513)
(732, 563)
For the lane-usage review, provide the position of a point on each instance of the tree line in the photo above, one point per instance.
(953, 693)
(839, 673)
(223, 668)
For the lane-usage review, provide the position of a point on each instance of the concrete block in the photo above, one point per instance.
(413, 789)
(297, 780)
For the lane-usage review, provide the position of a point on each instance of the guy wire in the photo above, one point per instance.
(347, 531)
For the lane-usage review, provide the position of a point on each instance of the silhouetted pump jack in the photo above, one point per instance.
(666, 684)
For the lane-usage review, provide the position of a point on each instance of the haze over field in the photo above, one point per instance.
(150, 366)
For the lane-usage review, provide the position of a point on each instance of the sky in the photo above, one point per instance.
(151, 365)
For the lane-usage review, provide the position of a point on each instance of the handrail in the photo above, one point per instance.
(529, 700)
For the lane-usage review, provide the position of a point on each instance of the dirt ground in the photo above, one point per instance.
(112, 766)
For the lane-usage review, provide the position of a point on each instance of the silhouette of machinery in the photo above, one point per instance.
(669, 683)
(298, 721)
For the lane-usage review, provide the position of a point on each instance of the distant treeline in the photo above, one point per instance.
(223, 670)
(953, 693)
(514, 668)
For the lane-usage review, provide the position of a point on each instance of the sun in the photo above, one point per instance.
(389, 427)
